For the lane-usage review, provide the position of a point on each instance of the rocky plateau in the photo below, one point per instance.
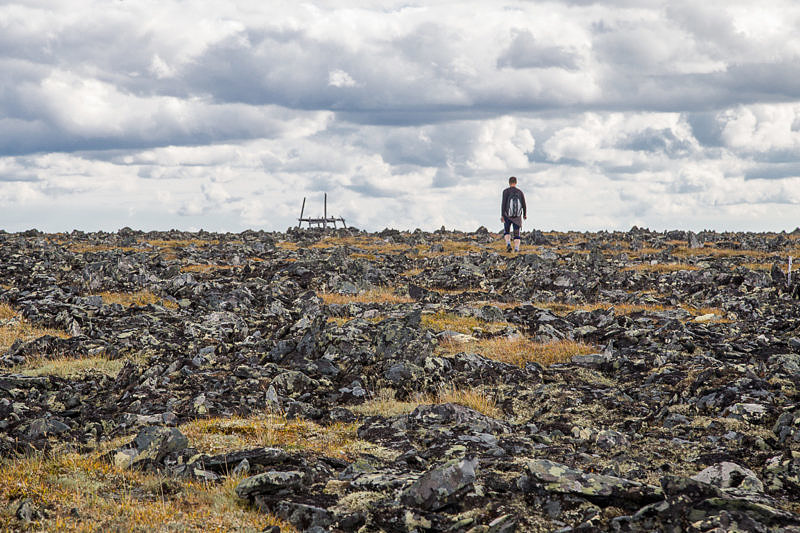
(679, 412)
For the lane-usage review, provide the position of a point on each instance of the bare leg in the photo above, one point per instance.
(516, 245)
(507, 237)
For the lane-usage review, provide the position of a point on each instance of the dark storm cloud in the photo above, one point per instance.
(412, 77)
(260, 67)
(652, 140)
(763, 81)
(775, 171)
(706, 128)
(445, 177)
(367, 187)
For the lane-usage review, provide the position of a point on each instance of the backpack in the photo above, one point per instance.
(515, 205)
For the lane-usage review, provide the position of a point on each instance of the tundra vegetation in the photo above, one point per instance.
(399, 381)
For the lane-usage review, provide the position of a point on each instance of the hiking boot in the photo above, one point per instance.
(508, 247)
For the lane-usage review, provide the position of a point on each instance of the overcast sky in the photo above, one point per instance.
(223, 115)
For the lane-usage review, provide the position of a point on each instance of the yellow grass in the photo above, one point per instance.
(455, 248)
(619, 308)
(476, 399)
(661, 267)
(627, 309)
(453, 292)
(519, 350)
(66, 367)
(217, 435)
(459, 248)
(105, 498)
(385, 404)
(287, 245)
(178, 243)
(138, 298)
(645, 251)
(80, 248)
(441, 321)
(365, 243)
(205, 268)
(368, 257)
(754, 266)
(377, 295)
(19, 328)
(721, 252)
(168, 254)
(565, 251)
(6, 311)
(339, 320)
(499, 245)
(699, 311)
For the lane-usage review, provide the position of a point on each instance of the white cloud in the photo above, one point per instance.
(502, 145)
(224, 115)
(340, 78)
(762, 128)
(160, 69)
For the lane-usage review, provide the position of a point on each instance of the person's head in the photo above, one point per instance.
(512, 181)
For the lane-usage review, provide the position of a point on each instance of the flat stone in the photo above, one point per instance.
(559, 478)
(269, 483)
(441, 486)
(727, 475)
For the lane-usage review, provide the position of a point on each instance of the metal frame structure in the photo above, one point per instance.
(319, 222)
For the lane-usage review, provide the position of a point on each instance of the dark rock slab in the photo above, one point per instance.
(441, 486)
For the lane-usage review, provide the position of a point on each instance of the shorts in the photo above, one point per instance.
(512, 221)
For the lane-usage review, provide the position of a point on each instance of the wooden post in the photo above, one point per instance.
(789, 272)
(325, 213)
(300, 220)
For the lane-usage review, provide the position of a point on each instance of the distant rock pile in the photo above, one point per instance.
(687, 417)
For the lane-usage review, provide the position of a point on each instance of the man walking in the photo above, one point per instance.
(512, 211)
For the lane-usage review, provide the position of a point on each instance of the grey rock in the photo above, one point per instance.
(293, 382)
(787, 427)
(44, 427)
(692, 241)
(256, 457)
(254, 336)
(28, 512)
(242, 468)
(727, 475)
(150, 447)
(441, 486)
(306, 517)
(270, 483)
(608, 439)
(749, 412)
(590, 360)
(554, 477)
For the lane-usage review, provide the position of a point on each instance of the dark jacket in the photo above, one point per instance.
(507, 199)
